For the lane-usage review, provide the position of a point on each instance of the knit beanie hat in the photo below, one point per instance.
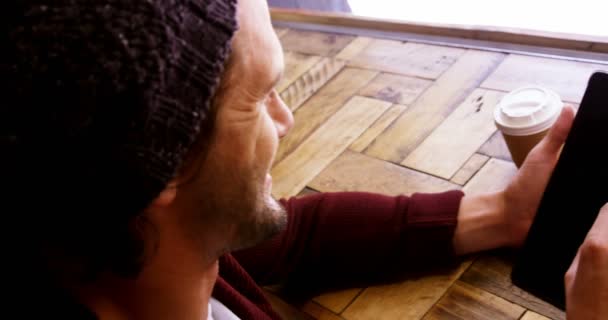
(102, 100)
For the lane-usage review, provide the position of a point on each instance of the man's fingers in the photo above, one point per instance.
(587, 279)
(595, 247)
(599, 230)
(594, 251)
(571, 273)
(556, 137)
(593, 261)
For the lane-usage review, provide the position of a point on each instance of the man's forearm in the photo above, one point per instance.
(481, 224)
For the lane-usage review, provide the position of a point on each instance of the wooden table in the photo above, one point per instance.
(397, 118)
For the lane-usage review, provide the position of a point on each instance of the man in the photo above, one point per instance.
(140, 135)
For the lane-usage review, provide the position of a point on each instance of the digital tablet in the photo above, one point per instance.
(572, 200)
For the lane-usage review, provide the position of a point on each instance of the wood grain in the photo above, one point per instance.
(307, 191)
(353, 171)
(334, 123)
(315, 43)
(433, 106)
(380, 125)
(599, 47)
(494, 176)
(453, 142)
(318, 312)
(568, 78)
(324, 145)
(529, 315)
(285, 310)
(466, 302)
(413, 59)
(496, 147)
(313, 79)
(296, 64)
(337, 301)
(492, 273)
(395, 88)
(470, 168)
(323, 105)
(410, 299)
(354, 48)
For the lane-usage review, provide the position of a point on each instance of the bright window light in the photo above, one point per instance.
(586, 17)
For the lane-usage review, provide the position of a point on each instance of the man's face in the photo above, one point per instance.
(232, 192)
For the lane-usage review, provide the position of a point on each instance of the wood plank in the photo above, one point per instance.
(308, 84)
(280, 31)
(529, 315)
(307, 191)
(316, 43)
(285, 310)
(466, 302)
(434, 105)
(496, 147)
(407, 58)
(599, 47)
(296, 64)
(493, 274)
(395, 88)
(380, 125)
(568, 78)
(410, 299)
(470, 168)
(324, 145)
(354, 48)
(337, 301)
(323, 105)
(453, 142)
(319, 312)
(373, 175)
(494, 176)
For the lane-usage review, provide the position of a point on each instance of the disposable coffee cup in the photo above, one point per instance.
(524, 116)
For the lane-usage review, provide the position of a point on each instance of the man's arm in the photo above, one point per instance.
(481, 224)
(357, 236)
(354, 237)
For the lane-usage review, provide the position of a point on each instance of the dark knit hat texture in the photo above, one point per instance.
(102, 101)
(110, 91)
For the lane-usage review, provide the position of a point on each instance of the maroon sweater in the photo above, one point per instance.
(338, 239)
(331, 240)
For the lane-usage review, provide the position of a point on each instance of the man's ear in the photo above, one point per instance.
(166, 196)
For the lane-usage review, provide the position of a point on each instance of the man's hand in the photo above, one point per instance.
(503, 218)
(587, 279)
(523, 195)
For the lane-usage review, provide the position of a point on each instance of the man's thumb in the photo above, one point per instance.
(557, 135)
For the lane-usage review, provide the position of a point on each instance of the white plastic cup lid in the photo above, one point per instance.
(527, 110)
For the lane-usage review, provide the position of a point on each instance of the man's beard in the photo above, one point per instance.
(235, 209)
(267, 221)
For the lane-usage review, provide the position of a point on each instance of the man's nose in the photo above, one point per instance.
(282, 117)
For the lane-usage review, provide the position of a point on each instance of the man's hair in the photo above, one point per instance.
(102, 100)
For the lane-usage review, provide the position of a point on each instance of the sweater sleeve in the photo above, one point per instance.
(356, 238)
